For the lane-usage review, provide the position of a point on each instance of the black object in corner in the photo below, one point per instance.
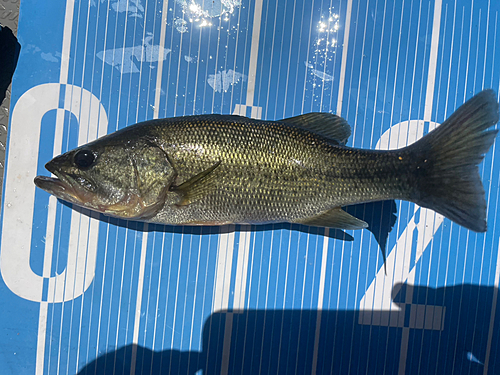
(9, 54)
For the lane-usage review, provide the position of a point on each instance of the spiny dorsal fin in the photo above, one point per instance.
(335, 218)
(325, 124)
(196, 187)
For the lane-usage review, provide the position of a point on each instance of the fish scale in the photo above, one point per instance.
(270, 171)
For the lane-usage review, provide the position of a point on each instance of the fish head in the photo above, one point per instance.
(124, 179)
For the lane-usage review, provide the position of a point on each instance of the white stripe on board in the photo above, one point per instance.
(496, 285)
(40, 344)
(223, 272)
(345, 46)
(431, 77)
(321, 296)
(138, 303)
(160, 58)
(142, 265)
(66, 45)
(241, 269)
(254, 52)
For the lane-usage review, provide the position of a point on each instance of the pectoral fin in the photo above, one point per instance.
(335, 218)
(196, 187)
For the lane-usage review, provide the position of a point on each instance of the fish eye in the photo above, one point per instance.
(84, 159)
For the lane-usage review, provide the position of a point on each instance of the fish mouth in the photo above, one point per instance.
(63, 186)
(59, 187)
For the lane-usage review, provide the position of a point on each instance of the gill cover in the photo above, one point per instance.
(152, 174)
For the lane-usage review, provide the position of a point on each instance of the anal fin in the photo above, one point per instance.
(335, 218)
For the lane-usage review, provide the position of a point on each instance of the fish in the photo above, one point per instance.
(222, 169)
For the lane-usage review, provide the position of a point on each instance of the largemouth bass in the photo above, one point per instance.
(217, 169)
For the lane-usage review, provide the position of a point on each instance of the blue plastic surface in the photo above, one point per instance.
(83, 293)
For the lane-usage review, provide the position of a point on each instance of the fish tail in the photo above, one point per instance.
(447, 175)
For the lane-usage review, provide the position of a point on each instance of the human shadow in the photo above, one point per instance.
(449, 330)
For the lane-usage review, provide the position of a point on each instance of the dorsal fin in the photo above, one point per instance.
(326, 124)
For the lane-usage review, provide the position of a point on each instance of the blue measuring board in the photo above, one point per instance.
(86, 294)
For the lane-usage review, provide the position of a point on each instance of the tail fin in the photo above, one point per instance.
(448, 177)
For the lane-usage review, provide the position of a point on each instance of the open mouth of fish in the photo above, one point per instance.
(60, 187)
